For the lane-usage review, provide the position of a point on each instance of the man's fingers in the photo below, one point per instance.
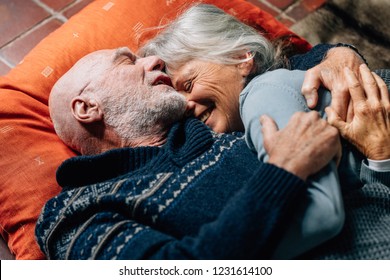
(350, 113)
(340, 102)
(269, 129)
(335, 120)
(384, 92)
(311, 98)
(310, 86)
(369, 84)
(355, 89)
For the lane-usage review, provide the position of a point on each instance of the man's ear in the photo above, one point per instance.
(86, 110)
(245, 68)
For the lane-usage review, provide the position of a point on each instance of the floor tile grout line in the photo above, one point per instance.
(28, 31)
(52, 15)
(287, 17)
(53, 12)
(6, 62)
(268, 4)
(284, 13)
(44, 6)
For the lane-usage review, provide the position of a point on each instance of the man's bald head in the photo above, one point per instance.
(110, 99)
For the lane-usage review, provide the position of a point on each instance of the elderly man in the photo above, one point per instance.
(152, 184)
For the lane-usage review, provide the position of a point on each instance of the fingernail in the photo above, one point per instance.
(261, 119)
(310, 101)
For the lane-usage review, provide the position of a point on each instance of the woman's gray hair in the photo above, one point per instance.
(207, 33)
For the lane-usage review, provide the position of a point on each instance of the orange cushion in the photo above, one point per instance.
(30, 151)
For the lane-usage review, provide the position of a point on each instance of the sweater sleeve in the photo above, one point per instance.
(368, 175)
(247, 227)
(321, 217)
(311, 58)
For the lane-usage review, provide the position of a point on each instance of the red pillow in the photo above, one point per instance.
(31, 152)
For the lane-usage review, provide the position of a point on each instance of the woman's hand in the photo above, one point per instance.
(304, 146)
(369, 128)
(330, 75)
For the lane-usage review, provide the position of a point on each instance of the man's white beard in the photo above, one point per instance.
(150, 115)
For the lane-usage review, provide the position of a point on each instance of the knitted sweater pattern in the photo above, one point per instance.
(200, 196)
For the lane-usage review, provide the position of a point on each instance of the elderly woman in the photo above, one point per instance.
(216, 62)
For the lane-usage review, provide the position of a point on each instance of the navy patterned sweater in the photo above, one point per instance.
(200, 196)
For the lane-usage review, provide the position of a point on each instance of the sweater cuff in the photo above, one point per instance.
(311, 58)
(368, 175)
(379, 165)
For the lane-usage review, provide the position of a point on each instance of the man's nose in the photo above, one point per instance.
(151, 63)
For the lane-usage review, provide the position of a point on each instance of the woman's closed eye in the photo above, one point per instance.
(187, 86)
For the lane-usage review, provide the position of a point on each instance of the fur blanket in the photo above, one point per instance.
(360, 23)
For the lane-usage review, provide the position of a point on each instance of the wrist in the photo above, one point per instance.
(378, 152)
(352, 47)
(291, 168)
(378, 156)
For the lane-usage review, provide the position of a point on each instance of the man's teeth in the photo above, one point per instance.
(205, 116)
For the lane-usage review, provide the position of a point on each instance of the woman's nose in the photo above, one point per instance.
(151, 63)
(190, 108)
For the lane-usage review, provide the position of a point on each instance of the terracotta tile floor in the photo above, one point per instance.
(23, 23)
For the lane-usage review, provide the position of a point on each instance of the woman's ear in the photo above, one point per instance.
(86, 110)
(245, 68)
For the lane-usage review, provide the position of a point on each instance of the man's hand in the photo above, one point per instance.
(330, 74)
(304, 146)
(369, 129)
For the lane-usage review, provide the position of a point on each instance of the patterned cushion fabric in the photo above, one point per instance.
(31, 152)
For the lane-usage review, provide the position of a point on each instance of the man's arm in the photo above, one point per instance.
(80, 224)
(249, 226)
(330, 73)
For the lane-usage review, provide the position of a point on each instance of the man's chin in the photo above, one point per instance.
(175, 106)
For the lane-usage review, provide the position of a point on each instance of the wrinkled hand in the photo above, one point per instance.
(330, 74)
(369, 129)
(304, 146)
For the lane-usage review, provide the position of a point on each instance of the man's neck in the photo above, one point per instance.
(154, 141)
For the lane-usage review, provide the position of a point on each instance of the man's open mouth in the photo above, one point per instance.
(162, 80)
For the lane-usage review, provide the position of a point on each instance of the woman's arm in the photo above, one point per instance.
(321, 217)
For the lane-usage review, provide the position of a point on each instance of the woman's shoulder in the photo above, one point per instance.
(281, 77)
(281, 88)
(276, 84)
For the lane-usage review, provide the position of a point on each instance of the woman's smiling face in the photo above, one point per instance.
(212, 91)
